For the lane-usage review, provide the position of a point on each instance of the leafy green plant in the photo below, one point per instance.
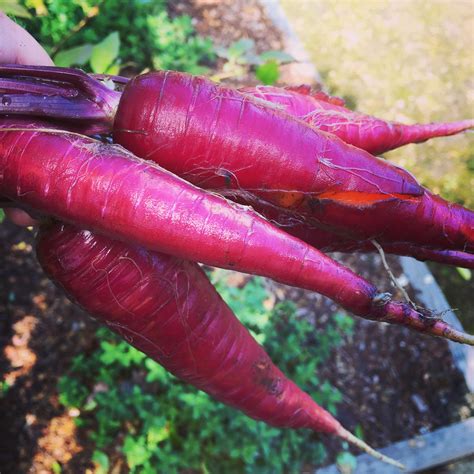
(14, 8)
(465, 273)
(122, 394)
(241, 58)
(99, 35)
(102, 58)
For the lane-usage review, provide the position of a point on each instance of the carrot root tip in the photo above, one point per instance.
(349, 437)
(458, 336)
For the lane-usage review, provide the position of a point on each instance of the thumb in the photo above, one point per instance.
(18, 47)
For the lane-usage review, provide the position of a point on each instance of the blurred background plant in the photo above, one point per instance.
(240, 57)
(105, 37)
(134, 35)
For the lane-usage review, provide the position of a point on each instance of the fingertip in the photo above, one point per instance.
(19, 47)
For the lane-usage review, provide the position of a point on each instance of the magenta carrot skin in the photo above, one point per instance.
(162, 105)
(447, 257)
(361, 130)
(326, 239)
(218, 137)
(167, 308)
(108, 190)
(211, 136)
(75, 96)
(328, 242)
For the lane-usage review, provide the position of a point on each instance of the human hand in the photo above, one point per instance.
(18, 47)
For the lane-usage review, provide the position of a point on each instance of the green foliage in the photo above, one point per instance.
(124, 395)
(103, 36)
(104, 55)
(465, 273)
(175, 46)
(77, 56)
(2, 215)
(346, 462)
(100, 35)
(71, 392)
(268, 72)
(241, 58)
(101, 461)
(12, 7)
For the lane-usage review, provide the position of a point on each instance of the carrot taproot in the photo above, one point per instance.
(106, 189)
(316, 108)
(218, 139)
(249, 130)
(364, 131)
(226, 141)
(167, 308)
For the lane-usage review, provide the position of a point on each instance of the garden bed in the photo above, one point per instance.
(380, 366)
(395, 383)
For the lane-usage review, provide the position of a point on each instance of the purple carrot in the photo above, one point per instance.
(106, 189)
(168, 309)
(226, 141)
(374, 135)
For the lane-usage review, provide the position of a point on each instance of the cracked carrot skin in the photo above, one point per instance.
(364, 131)
(221, 140)
(428, 221)
(167, 308)
(108, 190)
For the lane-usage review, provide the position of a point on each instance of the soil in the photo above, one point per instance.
(40, 332)
(381, 369)
(396, 383)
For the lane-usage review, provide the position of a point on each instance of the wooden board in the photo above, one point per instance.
(423, 452)
(431, 296)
